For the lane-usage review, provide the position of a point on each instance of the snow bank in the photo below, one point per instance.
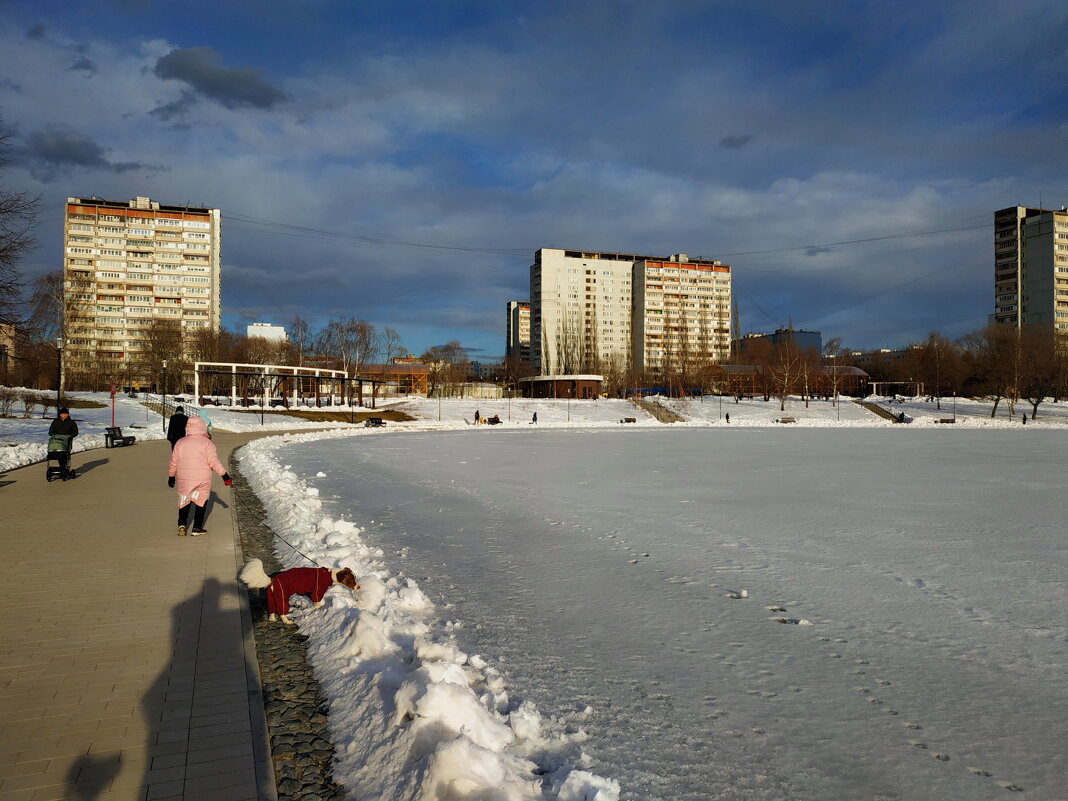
(411, 715)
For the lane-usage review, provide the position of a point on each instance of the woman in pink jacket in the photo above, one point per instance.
(193, 460)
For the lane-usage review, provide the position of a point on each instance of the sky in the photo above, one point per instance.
(401, 162)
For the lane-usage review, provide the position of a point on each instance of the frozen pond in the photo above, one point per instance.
(921, 575)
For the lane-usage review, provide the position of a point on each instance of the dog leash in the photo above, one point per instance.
(293, 547)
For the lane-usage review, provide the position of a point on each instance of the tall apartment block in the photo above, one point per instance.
(1031, 267)
(592, 310)
(517, 342)
(128, 263)
(682, 313)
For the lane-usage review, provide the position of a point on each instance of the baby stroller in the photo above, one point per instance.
(58, 460)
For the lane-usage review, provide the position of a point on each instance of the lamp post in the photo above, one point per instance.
(163, 403)
(59, 374)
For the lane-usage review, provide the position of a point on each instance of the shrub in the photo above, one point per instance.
(8, 396)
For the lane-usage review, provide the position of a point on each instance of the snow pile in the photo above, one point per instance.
(411, 715)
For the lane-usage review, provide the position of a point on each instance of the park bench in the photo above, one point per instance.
(373, 422)
(114, 438)
(629, 420)
(786, 420)
(947, 420)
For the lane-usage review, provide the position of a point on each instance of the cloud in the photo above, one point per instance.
(736, 141)
(176, 108)
(234, 87)
(83, 65)
(51, 151)
(37, 31)
(816, 250)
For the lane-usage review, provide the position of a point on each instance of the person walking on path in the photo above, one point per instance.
(176, 426)
(193, 460)
(64, 424)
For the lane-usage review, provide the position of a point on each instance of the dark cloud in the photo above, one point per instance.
(83, 65)
(736, 141)
(7, 83)
(49, 152)
(816, 250)
(176, 108)
(37, 31)
(233, 87)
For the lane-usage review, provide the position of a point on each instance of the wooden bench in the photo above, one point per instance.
(373, 422)
(114, 438)
(629, 420)
(947, 420)
(786, 420)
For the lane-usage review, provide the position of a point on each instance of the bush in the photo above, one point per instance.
(8, 396)
(30, 400)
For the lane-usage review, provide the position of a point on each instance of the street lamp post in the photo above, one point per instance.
(163, 403)
(59, 374)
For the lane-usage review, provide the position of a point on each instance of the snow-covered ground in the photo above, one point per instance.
(709, 612)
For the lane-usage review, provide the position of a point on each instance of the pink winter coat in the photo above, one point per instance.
(193, 460)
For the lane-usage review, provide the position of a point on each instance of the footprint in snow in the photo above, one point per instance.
(738, 594)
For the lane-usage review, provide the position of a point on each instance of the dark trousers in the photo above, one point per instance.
(198, 515)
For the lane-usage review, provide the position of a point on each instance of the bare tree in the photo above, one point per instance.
(350, 342)
(993, 358)
(300, 339)
(448, 367)
(392, 347)
(18, 214)
(1042, 364)
(163, 342)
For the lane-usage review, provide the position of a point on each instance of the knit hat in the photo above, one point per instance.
(64, 410)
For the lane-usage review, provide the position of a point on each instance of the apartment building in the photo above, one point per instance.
(580, 310)
(517, 340)
(593, 311)
(682, 313)
(1031, 267)
(126, 265)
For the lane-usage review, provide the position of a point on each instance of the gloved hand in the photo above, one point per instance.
(170, 482)
(227, 480)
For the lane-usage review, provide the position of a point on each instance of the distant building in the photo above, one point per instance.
(126, 265)
(682, 313)
(592, 310)
(581, 387)
(1030, 267)
(802, 340)
(272, 333)
(517, 341)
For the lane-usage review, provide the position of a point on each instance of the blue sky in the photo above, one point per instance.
(401, 162)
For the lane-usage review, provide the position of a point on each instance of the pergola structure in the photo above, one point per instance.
(284, 382)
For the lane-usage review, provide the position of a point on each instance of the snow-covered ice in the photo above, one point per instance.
(630, 587)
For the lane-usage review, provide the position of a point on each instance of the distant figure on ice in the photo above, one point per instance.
(534, 419)
(728, 416)
(478, 417)
(1024, 418)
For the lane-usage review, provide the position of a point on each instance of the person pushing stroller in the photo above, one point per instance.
(61, 436)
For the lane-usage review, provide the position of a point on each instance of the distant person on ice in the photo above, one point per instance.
(193, 460)
(176, 426)
(534, 419)
(478, 418)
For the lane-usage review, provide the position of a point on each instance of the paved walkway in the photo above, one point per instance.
(127, 664)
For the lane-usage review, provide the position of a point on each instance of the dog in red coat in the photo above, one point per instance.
(310, 581)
